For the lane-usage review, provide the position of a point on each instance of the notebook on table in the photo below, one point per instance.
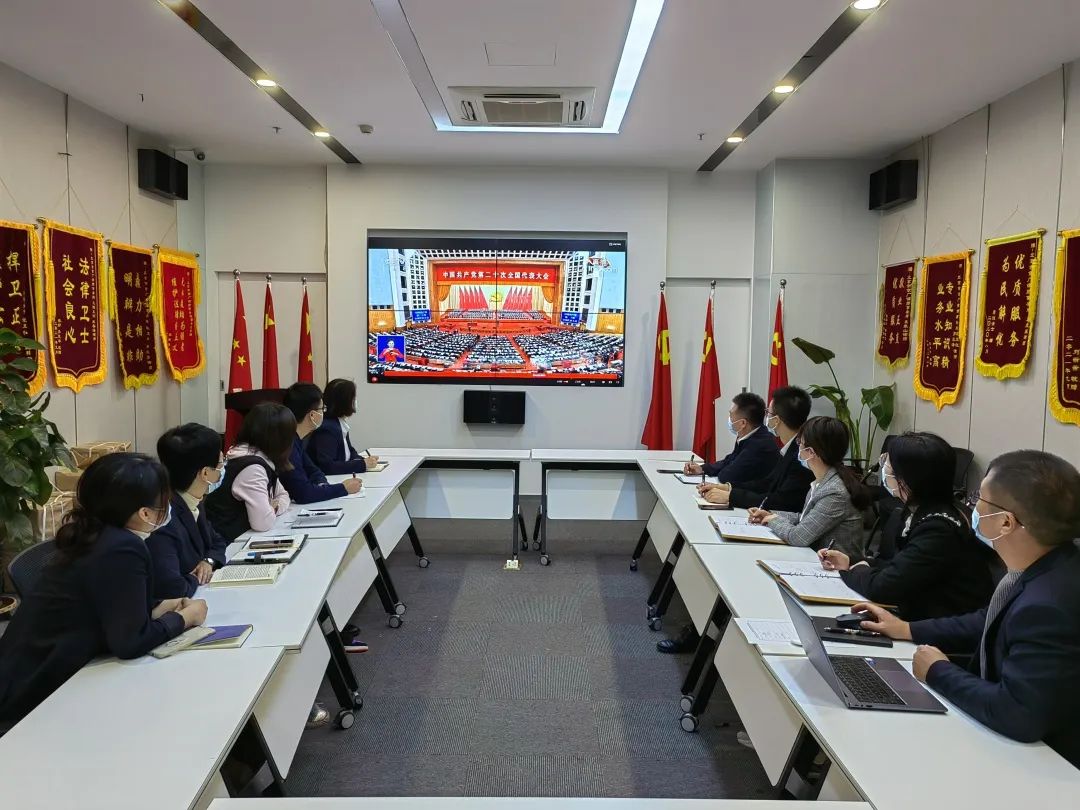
(318, 518)
(225, 637)
(280, 549)
(684, 478)
(182, 642)
(711, 507)
(740, 530)
(379, 466)
(258, 574)
(812, 583)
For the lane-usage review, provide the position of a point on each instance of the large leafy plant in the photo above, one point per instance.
(29, 443)
(876, 404)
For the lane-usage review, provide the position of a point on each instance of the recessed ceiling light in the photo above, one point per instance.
(266, 83)
(321, 133)
(865, 5)
(735, 139)
(784, 89)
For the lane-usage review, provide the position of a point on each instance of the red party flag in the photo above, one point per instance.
(239, 367)
(305, 371)
(708, 392)
(777, 352)
(270, 364)
(657, 432)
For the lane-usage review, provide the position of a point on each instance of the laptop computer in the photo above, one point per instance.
(861, 682)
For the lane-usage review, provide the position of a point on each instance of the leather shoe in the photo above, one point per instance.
(685, 642)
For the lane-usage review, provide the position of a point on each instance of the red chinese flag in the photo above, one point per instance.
(270, 366)
(239, 367)
(657, 432)
(305, 371)
(777, 352)
(708, 393)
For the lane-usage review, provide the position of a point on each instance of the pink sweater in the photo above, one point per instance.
(250, 486)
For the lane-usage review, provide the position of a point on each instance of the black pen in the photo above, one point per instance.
(848, 631)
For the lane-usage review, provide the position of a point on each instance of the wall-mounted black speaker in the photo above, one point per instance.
(162, 175)
(494, 408)
(896, 184)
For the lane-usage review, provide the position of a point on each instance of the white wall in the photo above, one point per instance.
(95, 188)
(996, 172)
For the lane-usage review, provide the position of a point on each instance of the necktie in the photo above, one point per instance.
(1003, 594)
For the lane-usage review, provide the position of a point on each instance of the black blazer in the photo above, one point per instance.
(176, 548)
(753, 458)
(96, 604)
(327, 449)
(1029, 691)
(936, 569)
(785, 486)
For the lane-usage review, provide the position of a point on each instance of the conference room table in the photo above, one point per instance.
(521, 803)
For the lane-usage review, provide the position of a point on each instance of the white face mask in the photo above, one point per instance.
(316, 418)
(155, 526)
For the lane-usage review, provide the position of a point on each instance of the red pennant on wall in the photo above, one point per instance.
(270, 362)
(305, 371)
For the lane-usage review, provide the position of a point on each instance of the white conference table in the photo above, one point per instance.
(902, 760)
(134, 734)
(522, 803)
(393, 476)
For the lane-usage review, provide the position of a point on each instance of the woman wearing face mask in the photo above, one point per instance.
(187, 550)
(96, 595)
(305, 482)
(329, 446)
(929, 564)
(832, 514)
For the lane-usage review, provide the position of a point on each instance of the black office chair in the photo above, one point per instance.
(26, 568)
(964, 458)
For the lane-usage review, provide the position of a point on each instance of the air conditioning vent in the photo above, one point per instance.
(523, 106)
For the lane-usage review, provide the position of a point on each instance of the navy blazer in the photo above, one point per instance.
(1029, 691)
(785, 486)
(754, 457)
(305, 482)
(327, 449)
(98, 603)
(177, 547)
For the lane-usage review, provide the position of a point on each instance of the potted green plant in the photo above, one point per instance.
(29, 443)
(876, 404)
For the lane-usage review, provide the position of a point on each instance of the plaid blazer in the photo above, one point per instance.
(827, 516)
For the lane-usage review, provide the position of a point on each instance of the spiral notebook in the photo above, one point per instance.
(812, 583)
(740, 530)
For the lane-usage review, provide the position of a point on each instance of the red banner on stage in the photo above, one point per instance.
(943, 317)
(453, 272)
(1008, 296)
(1064, 394)
(20, 292)
(894, 332)
(132, 306)
(178, 292)
(75, 299)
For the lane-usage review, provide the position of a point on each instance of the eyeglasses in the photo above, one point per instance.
(973, 499)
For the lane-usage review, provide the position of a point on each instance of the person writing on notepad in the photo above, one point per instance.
(187, 550)
(755, 452)
(304, 481)
(329, 446)
(1023, 676)
(832, 514)
(929, 563)
(786, 485)
(96, 595)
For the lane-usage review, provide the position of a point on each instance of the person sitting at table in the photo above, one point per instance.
(329, 446)
(786, 485)
(929, 563)
(832, 514)
(305, 482)
(755, 452)
(1025, 646)
(187, 550)
(96, 595)
(251, 495)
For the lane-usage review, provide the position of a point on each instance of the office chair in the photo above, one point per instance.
(964, 458)
(26, 568)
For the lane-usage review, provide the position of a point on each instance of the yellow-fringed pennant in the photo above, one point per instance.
(1064, 393)
(179, 290)
(1008, 295)
(20, 292)
(942, 322)
(131, 305)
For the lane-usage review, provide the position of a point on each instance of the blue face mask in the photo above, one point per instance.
(805, 462)
(975, 526)
(212, 485)
(731, 427)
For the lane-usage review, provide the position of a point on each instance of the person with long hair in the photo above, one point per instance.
(305, 482)
(251, 495)
(929, 563)
(329, 446)
(832, 513)
(96, 595)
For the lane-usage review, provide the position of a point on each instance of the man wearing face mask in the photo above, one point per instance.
(186, 550)
(755, 452)
(305, 482)
(1023, 678)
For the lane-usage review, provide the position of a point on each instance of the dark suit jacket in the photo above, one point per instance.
(753, 458)
(785, 486)
(937, 569)
(1029, 691)
(305, 482)
(179, 546)
(96, 604)
(327, 450)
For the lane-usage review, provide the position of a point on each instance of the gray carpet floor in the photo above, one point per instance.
(542, 682)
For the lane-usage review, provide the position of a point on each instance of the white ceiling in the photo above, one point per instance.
(915, 66)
